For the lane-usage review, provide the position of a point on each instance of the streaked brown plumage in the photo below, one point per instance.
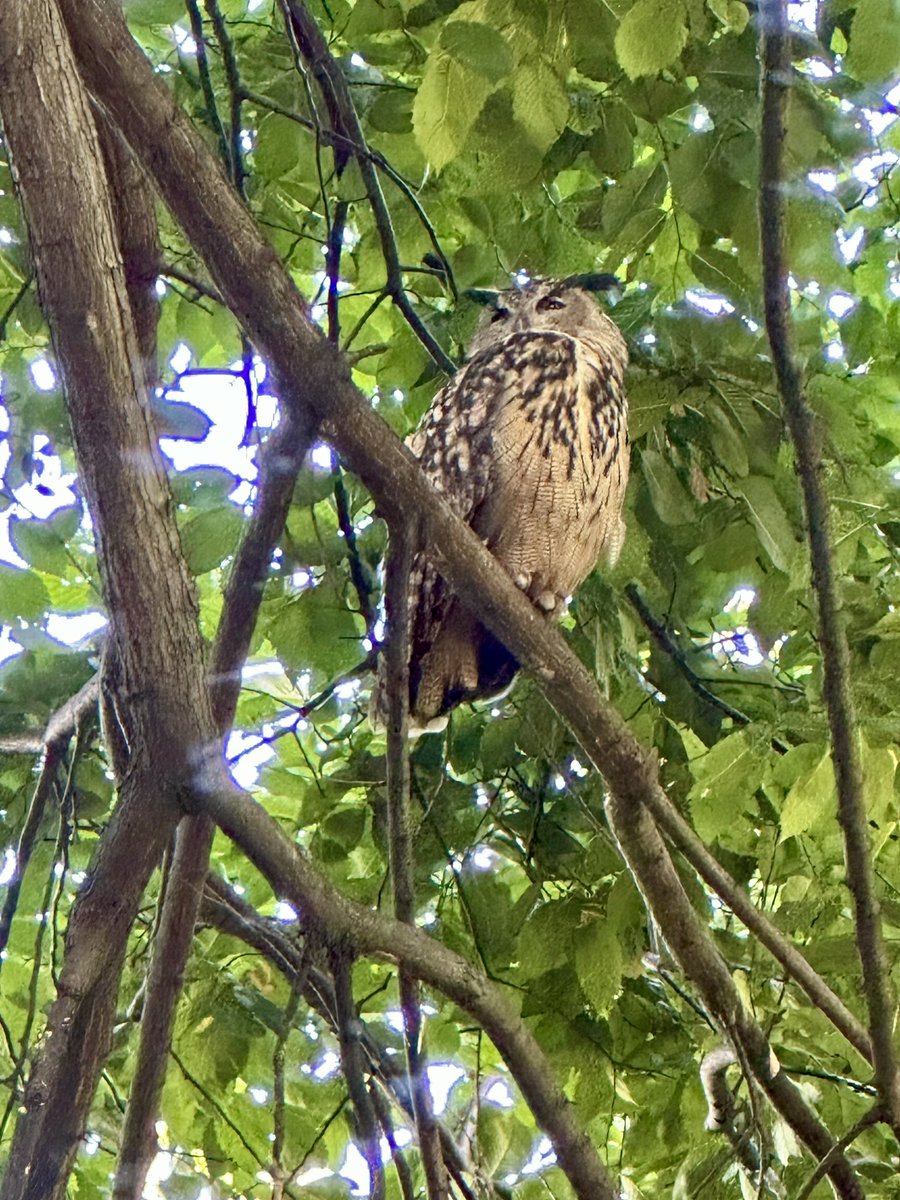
(528, 443)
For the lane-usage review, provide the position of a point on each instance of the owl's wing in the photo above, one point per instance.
(453, 447)
(453, 443)
(451, 656)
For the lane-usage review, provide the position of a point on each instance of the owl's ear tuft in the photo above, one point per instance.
(483, 296)
(593, 282)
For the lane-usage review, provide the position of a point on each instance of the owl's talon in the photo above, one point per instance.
(546, 601)
(522, 581)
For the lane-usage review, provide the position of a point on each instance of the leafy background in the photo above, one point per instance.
(546, 138)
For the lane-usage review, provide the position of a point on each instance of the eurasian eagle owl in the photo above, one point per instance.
(528, 443)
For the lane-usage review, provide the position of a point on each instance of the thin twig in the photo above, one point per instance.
(201, 286)
(777, 78)
(209, 96)
(359, 574)
(872, 1117)
(331, 138)
(333, 268)
(663, 638)
(400, 838)
(354, 1070)
(345, 122)
(401, 1166)
(61, 728)
(236, 96)
(278, 1097)
(17, 299)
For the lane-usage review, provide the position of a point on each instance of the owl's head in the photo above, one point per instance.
(555, 305)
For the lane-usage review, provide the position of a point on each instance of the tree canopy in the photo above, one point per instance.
(648, 942)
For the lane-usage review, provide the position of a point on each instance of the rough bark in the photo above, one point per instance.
(160, 696)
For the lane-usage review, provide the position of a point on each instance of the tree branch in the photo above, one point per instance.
(345, 122)
(777, 78)
(658, 882)
(400, 837)
(61, 728)
(352, 1064)
(364, 931)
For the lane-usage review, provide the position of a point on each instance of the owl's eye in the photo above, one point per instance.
(549, 302)
(500, 314)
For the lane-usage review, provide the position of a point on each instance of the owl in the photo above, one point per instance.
(528, 443)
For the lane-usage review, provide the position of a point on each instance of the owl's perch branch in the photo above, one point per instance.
(777, 78)
(259, 292)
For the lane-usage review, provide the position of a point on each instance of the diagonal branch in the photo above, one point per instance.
(777, 77)
(364, 931)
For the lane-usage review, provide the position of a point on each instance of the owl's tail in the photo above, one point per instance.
(464, 661)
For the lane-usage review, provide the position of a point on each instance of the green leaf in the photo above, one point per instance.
(811, 799)
(874, 55)
(672, 503)
(612, 146)
(22, 595)
(772, 525)
(446, 107)
(640, 189)
(540, 101)
(154, 12)
(208, 538)
(280, 143)
(651, 36)
(733, 14)
(598, 963)
(725, 778)
(43, 544)
(177, 419)
(316, 630)
(479, 47)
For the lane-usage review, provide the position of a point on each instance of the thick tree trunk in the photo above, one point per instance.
(160, 696)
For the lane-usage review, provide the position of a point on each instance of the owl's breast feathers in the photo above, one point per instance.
(528, 443)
